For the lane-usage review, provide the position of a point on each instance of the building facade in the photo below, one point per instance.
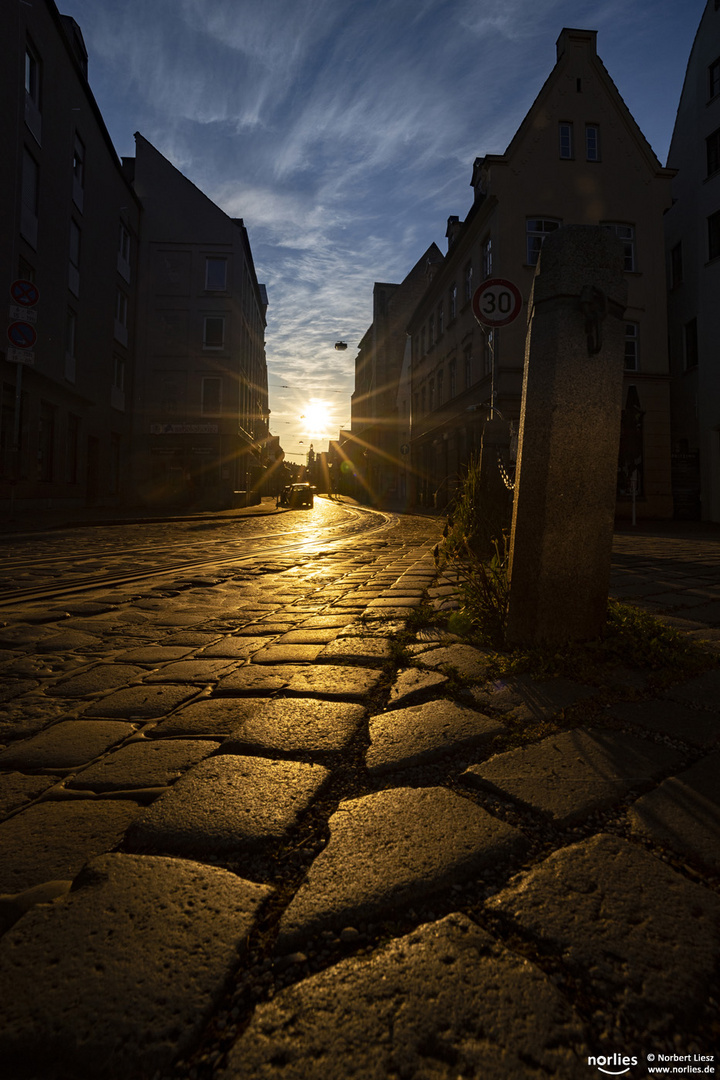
(70, 232)
(201, 405)
(377, 445)
(577, 158)
(692, 229)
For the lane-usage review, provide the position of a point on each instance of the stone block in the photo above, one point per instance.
(404, 737)
(143, 764)
(142, 702)
(117, 978)
(66, 745)
(298, 725)
(208, 716)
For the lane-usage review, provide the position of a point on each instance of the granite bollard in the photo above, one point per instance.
(564, 507)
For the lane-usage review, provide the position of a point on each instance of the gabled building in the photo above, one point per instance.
(201, 402)
(692, 228)
(375, 426)
(577, 158)
(70, 226)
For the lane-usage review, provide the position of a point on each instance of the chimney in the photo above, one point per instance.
(582, 38)
(453, 228)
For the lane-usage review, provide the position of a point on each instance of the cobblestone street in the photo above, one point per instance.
(253, 827)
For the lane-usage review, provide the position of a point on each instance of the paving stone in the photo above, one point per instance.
(328, 621)
(208, 716)
(414, 683)
(336, 681)
(703, 692)
(298, 725)
(73, 990)
(309, 636)
(15, 688)
(524, 698)
(66, 745)
(17, 789)
(390, 848)
(96, 680)
(364, 649)
(470, 663)
(575, 773)
(644, 938)
(142, 702)
(684, 813)
(404, 737)
(28, 714)
(235, 647)
(20, 636)
(228, 804)
(257, 679)
(143, 764)
(192, 671)
(155, 654)
(286, 654)
(67, 641)
(445, 1001)
(52, 840)
(695, 726)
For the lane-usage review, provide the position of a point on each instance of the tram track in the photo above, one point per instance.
(263, 547)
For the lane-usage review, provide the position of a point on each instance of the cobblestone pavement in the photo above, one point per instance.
(245, 834)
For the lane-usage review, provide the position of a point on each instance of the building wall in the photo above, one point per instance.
(201, 408)
(693, 261)
(71, 211)
(544, 178)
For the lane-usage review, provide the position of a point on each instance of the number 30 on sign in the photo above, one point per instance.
(496, 302)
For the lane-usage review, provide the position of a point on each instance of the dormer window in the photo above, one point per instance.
(565, 132)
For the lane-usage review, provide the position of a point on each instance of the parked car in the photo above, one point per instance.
(295, 496)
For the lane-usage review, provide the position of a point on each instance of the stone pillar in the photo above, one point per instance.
(566, 476)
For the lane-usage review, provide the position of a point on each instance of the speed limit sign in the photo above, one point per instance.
(496, 302)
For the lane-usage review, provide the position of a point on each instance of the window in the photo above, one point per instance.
(626, 233)
(453, 378)
(211, 391)
(74, 259)
(423, 400)
(452, 302)
(121, 317)
(690, 342)
(123, 252)
(440, 314)
(565, 131)
(118, 373)
(33, 119)
(487, 257)
(468, 282)
(30, 198)
(431, 395)
(468, 368)
(440, 387)
(631, 347)
(537, 230)
(70, 332)
(78, 193)
(592, 142)
(431, 330)
(714, 78)
(214, 332)
(215, 275)
(714, 235)
(676, 266)
(712, 148)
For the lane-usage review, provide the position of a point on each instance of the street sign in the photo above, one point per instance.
(20, 356)
(496, 302)
(25, 293)
(22, 335)
(23, 314)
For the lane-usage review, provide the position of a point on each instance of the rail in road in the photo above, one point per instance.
(94, 564)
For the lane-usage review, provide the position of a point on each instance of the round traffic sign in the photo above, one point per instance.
(22, 335)
(496, 302)
(25, 293)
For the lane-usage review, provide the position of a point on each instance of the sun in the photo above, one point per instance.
(316, 418)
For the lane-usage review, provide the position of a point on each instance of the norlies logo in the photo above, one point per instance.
(611, 1064)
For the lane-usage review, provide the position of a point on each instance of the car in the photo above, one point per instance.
(296, 495)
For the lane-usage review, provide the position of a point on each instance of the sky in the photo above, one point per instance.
(343, 132)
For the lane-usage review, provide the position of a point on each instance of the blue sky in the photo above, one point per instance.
(343, 132)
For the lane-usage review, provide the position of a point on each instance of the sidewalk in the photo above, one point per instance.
(246, 836)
